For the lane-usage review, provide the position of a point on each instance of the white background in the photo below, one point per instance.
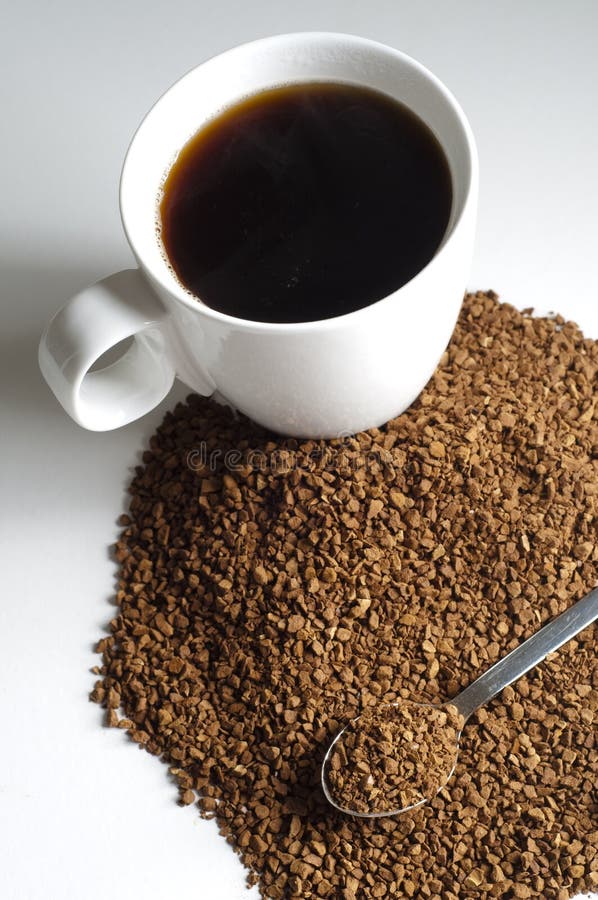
(84, 814)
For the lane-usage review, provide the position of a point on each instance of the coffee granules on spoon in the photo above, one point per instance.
(268, 596)
(393, 757)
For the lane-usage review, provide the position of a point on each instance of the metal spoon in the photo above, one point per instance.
(504, 672)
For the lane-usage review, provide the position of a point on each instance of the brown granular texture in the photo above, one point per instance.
(393, 756)
(266, 598)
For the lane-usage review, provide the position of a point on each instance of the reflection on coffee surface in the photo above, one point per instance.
(305, 202)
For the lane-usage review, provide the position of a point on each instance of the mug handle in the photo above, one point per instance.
(94, 320)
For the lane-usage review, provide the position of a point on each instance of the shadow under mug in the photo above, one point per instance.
(312, 379)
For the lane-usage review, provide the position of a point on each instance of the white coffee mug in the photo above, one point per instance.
(311, 379)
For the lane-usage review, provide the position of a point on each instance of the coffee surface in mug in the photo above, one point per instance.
(305, 202)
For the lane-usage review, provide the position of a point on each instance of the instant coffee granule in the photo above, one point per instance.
(271, 590)
(393, 757)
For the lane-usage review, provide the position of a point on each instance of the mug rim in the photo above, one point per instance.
(195, 303)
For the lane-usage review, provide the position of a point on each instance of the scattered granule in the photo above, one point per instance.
(393, 757)
(232, 535)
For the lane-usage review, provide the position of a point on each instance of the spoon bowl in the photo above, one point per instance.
(391, 812)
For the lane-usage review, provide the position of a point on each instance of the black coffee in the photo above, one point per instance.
(305, 202)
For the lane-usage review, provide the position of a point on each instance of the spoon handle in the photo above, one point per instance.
(527, 655)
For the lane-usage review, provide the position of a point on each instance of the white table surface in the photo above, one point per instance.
(85, 815)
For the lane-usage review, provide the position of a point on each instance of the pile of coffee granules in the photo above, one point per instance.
(272, 589)
(393, 757)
